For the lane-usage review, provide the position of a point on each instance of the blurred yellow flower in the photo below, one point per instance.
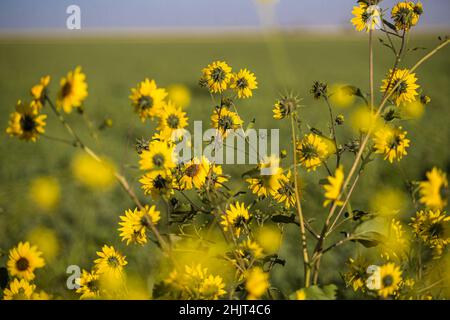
(341, 95)
(269, 238)
(179, 94)
(363, 120)
(92, 173)
(434, 191)
(433, 228)
(412, 110)
(388, 201)
(26, 123)
(257, 283)
(46, 240)
(23, 260)
(300, 294)
(333, 187)
(73, 90)
(39, 91)
(45, 192)
(250, 250)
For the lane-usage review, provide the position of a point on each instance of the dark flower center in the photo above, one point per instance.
(192, 170)
(309, 152)
(66, 89)
(242, 83)
(22, 264)
(240, 220)
(436, 230)
(396, 141)
(113, 261)
(173, 121)
(145, 102)
(443, 192)
(27, 123)
(93, 285)
(388, 281)
(158, 160)
(159, 182)
(218, 74)
(226, 122)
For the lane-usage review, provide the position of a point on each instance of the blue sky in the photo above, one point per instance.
(161, 14)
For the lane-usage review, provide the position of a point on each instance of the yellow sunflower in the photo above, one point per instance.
(110, 262)
(391, 142)
(312, 150)
(256, 283)
(235, 217)
(223, 120)
(271, 178)
(406, 90)
(390, 279)
(73, 90)
(366, 17)
(212, 288)
(406, 14)
(157, 185)
(250, 250)
(135, 223)
(171, 120)
(158, 159)
(19, 290)
(286, 192)
(39, 92)
(89, 283)
(243, 83)
(434, 191)
(285, 106)
(217, 176)
(333, 187)
(433, 228)
(194, 173)
(147, 99)
(26, 123)
(217, 76)
(23, 260)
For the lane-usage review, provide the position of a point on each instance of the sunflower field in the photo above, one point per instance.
(97, 202)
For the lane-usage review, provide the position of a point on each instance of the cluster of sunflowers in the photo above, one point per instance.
(234, 244)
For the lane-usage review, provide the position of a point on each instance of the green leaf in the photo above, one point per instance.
(390, 25)
(281, 218)
(369, 239)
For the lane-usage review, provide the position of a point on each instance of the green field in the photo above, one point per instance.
(86, 220)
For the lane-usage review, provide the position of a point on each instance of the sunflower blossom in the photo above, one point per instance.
(110, 261)
(147, 99)
(235, 218)
(366, 17)
(333, 187)
(73, 90)
(434, 191)
(23, 260)
(135, 223)
(217, 76)
(243, 83)
(312, 150)
(391, 142)
(406, 90)
(26, 123)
